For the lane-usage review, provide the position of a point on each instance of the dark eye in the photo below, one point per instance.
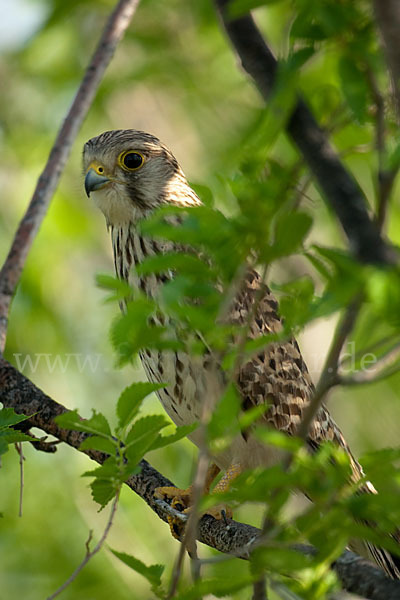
(132, 161)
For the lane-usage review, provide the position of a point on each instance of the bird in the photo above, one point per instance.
(129, 174)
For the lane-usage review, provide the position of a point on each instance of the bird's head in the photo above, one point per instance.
(130, 173)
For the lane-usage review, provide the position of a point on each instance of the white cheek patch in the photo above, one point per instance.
(117, 208)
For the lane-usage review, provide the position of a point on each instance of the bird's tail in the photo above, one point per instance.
(390, 563)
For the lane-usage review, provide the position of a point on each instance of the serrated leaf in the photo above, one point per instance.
(179, 433)
(9, 436)
(97, 424)
(9, 417)
(290, 231)
(152, 573)
(108, 470)
(103, 490)
(102, 444)
(142, 436)
(131, 399)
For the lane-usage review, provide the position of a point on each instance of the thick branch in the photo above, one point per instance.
(387, 14)
(48, 180)
(356, 574)
(338, 185)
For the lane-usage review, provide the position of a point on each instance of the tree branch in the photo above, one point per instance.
(338, 185)
(48, 180)
(356, 574)
(387, 13)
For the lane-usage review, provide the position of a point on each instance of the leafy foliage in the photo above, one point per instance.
(134, 436)
(258, 195)
(8, 435)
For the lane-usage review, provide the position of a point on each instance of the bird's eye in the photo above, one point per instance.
(130, 161)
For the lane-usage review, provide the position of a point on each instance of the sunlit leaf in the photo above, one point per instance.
(9, 417)
(131, 399)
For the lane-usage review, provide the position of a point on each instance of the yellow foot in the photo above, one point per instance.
(180, 501)
(221, 512)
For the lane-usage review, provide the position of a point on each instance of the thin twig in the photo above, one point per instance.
(369, 349)
(329, 375)
(18, 447)
(385, 177)
(198, 486)
(90, 553)
(383, 368)
(195, 564)
(260, 589)
(48, 180)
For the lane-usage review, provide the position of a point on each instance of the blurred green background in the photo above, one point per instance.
(175, 76)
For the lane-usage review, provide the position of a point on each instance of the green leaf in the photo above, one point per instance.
(9, 436)
(179, 433)
(132, 331)
(120, 288)
(108, 470)
(103, 490)
(278, 439)
(102, 444)
(224, 422)
(297, 304)
(152, 573)
(251, 415)
(8, 417)
(142, 436)
(204, 193)
(97, 424)
(354, 86)
(319, 265)
(187, 263)
(290, 231)
(131, 399)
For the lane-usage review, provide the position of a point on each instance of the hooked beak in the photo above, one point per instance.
(94, 181)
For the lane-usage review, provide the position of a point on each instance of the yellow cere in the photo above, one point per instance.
(97, 167)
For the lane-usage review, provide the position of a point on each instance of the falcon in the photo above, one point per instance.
(129, 174)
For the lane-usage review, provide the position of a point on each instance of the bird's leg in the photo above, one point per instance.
(181, 499)
(221, 511)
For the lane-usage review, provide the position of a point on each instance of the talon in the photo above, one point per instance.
(220, 512)
(180, 501)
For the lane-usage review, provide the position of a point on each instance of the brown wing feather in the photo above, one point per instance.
(278, 375)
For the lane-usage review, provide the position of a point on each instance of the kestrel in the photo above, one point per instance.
(130, 173)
